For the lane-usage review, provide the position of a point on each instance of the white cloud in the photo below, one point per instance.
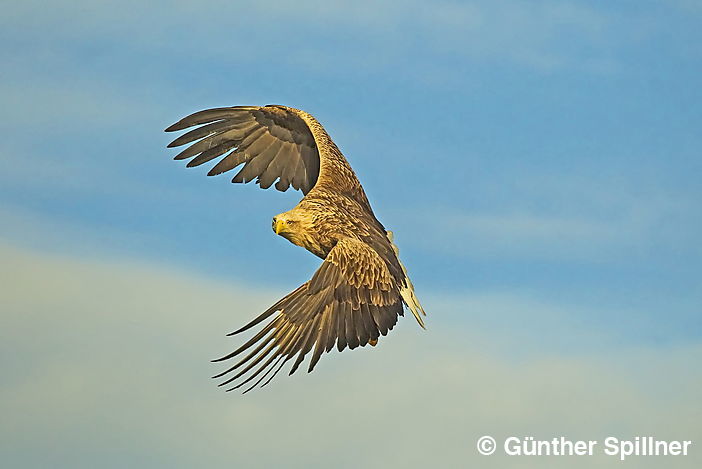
(36, 230)
(559, 216)
(534, 235)
(107, 361)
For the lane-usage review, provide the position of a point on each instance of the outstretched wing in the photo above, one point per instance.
(351, 300)
(274, 143)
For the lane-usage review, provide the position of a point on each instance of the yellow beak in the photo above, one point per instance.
(279, 224)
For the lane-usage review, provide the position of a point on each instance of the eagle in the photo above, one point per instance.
(360, 289)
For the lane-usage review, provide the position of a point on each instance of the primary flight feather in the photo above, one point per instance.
(359, 290)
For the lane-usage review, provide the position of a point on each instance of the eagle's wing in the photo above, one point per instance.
(351, 300)
(273, 143)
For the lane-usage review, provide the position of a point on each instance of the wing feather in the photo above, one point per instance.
(210, 115)
(252, 130)
(351, 335)
(203, 131)
(335, 306)
(256, 166)
(321, 341)
(308, 156)
(210, 154)
(343, 310)
(231, 161)
(308, 342)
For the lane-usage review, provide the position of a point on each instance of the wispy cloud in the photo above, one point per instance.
(36, 230)
(560, 216)
(108, 361)
(535, 235)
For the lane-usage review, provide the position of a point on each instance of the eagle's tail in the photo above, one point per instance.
(407, 292)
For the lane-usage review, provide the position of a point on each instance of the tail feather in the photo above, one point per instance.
(407, 292)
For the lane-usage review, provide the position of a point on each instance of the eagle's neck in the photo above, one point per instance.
(312, 238)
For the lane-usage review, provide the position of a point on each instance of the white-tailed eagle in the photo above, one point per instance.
(359, 291)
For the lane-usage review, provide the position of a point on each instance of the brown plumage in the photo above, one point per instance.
(359, 290)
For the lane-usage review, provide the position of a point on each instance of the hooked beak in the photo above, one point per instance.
(278, 225)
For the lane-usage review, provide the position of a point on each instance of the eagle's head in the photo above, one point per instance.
(298, 227)
(291, 226)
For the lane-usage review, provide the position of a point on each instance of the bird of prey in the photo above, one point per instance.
(358, 292)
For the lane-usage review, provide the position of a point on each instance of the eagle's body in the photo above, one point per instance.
(359, 290)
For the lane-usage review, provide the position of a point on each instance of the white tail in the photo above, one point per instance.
(407, 291)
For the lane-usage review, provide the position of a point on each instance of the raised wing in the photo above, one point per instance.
(274, 143)
(351, 300)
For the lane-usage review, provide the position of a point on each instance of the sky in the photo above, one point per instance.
(537, 161)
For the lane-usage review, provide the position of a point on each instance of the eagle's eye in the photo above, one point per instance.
(289, 222)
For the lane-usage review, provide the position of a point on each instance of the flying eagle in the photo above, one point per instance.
(359, 290)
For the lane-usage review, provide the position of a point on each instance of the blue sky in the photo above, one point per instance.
(538, 162)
